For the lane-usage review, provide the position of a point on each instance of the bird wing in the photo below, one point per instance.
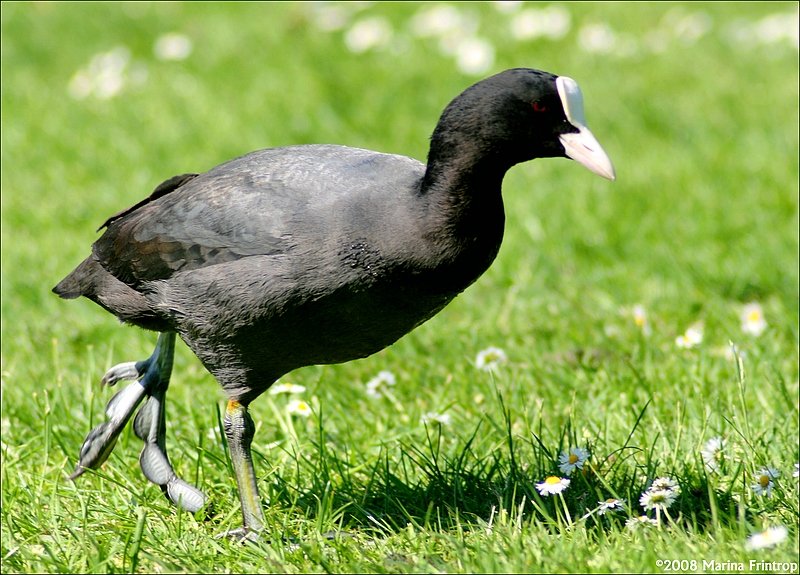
(264, 203)
(163, 188)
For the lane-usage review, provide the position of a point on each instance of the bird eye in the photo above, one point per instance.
(539, 107)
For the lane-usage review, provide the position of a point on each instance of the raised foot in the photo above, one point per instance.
(240, 535)
(101, 440)
(149, 426)
(122, 371)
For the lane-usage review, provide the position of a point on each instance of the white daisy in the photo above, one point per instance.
(551, 22)
(640, 319)
(367, 34)
(597, 38)
(434, 417)
(437, 20)
(490, 358)
(753, 321)
(474, 55)
(657, 499)
(572, 459)
(767, 538)
(172, 46)
(796, 472)
(553, 485)
(377, 386)
(712, 453)
(691, 338)
(506, 6)
(298, 407)
(641, 521)
(665, 484)
(765, 481)
(286, 388)
(330, 17)
(611, 504)
(104, 77)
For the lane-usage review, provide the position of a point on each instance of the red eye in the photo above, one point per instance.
(537, 107)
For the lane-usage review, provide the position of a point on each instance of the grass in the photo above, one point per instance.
(702, 220)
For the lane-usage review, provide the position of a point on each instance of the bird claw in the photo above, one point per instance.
(96, 448)
(122, 371)
(157, 469)
(240, 535)
(100, 441)
(153, 375)
(185, 495)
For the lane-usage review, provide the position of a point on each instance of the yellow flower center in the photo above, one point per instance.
(573, 459)
(553, 480)
(754, 316)
(763, 481)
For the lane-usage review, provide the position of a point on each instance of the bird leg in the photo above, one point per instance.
(149, 424)
(239, 431)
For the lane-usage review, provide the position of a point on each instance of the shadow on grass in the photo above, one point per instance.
(430, 489)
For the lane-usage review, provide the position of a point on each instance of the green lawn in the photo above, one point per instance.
(697, 105)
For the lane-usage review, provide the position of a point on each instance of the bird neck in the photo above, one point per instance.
(465, 217)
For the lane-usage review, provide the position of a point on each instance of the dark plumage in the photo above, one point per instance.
(304, 255)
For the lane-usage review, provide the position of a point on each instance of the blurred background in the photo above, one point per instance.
(696, 104)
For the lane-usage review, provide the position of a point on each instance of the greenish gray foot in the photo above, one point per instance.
(100, 442)
(239, 431)
(149, 424)
(240, 535)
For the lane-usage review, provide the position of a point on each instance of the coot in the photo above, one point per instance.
(313, 254)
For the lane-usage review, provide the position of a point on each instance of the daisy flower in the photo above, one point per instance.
(712, 453)
(665, 484)
(764, 481)
(551, 22)
(640, 319)
(367, 34)
(767, 538)
(597, 38)
(298, 407)
(286, 388)
(434, 417)
(378, 384)
(572, 459)
(796, 472)
(490, 358)
(104, 77)
(657, 499)
(437, 20)
(642, 521)
(553, 485)
(474, 55)
(691, 338)
(610, 505)
(753, 321)
(173, 46)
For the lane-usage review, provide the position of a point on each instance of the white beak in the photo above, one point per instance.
(584, 148)
(581, 146)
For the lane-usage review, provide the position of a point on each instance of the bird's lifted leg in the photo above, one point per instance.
(239, 430)
(149, 424)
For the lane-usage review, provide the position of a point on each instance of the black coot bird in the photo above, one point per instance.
(314, 254)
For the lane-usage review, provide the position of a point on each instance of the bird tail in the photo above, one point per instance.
(90, 280)
(79, 282)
